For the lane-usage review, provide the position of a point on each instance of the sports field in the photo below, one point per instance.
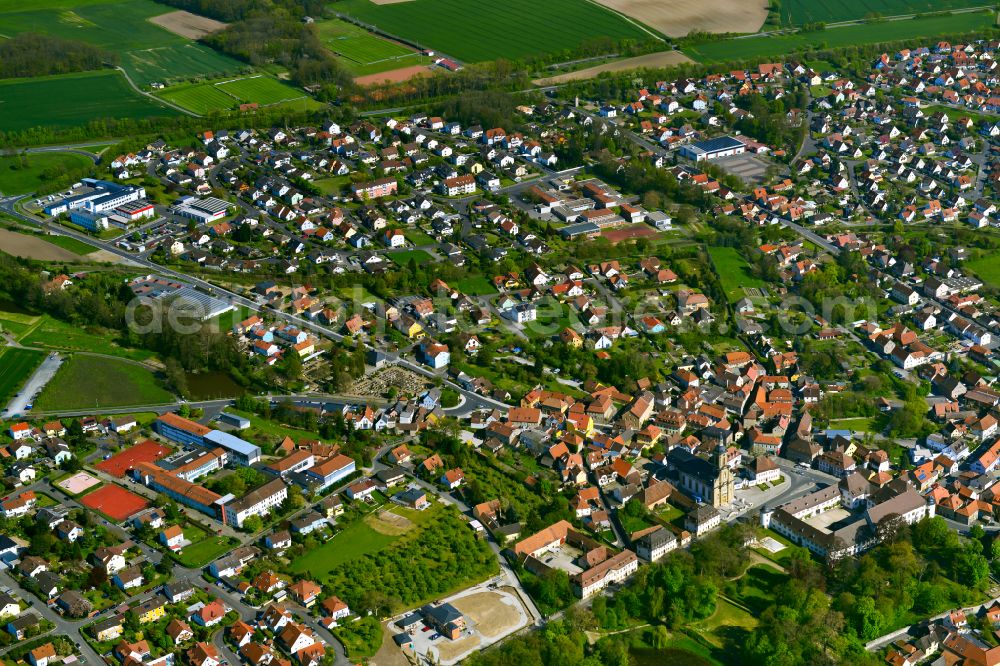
(479, 30)
(72, 100)
(120, 463)
(365, 53)
(729, 50)
(147, 51)
(228, 94)
(261, 89)
(114, 502)
(797, 12)
(16, 365)
(78, 483)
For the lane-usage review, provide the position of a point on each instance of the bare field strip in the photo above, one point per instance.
(187, 24)
(492, 615)
(393, 75)
(31, 247)
(650, 60)
(677, 18)
(388, 2)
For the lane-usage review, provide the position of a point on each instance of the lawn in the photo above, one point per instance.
(55, 334)
(860, 424)
(727, 624)
(475, 285)
(83, 382)
(201, 553)
(88, 96)
(418, 237)
(754, 589)
(31, 172)
(361, 638)
(479, 30)
(986, 268)
(797, 12)
(729, 50)
(403, 257)
(355, 540)
(266, 433)
(16, 365)
(733, 272)
(71, 244)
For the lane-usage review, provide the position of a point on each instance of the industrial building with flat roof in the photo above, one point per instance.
(711, 149)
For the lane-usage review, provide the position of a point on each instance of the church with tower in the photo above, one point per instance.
(707, 479)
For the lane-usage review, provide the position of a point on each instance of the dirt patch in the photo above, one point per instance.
(629, 233)
(389, 2)
(388, 654)
(492, 613)
(388, 523)
(650, 60)
(393, 75)
(187, 24)
(451, 650)
(676, 18)
(31, 247)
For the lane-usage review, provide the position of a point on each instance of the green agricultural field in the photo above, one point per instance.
(72, 100)
(986, 268)
(479, 30)
(177, 62)
(730, 50)
(797, 12)
(116, 26)
(16, 365)
(85, 382)
(148, 52)
(29, 173)
(733, 272)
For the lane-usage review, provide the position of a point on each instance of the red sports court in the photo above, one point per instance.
(120, 463)
(115, 502)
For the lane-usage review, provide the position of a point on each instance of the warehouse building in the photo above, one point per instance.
(713, 149)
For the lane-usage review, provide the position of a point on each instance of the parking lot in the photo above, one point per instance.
(749, 167)
(21, 402)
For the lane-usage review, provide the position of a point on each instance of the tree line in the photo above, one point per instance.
(30, 54)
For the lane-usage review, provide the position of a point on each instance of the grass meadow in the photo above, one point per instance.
(85, 382)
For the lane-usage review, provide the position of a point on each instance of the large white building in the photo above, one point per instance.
(259, 502)
(103, 197)
(713, 149)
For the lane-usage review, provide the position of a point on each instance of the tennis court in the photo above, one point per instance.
(114, 502)
(120, 463)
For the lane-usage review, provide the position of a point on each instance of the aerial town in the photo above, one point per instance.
(691, 360)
